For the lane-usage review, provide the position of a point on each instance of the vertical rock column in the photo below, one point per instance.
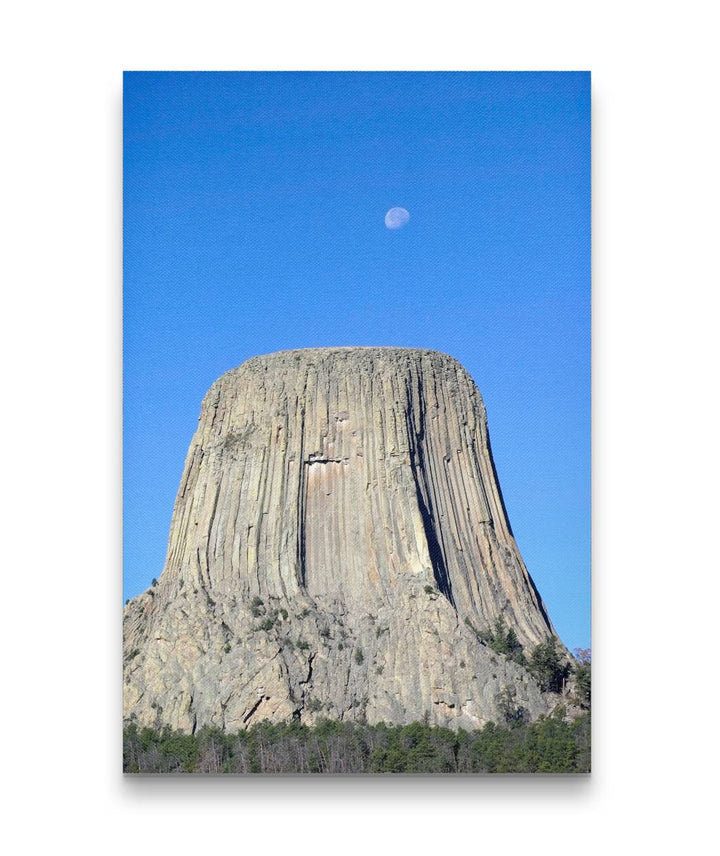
(332, 472)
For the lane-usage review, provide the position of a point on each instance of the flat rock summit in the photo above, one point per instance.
(338, 547)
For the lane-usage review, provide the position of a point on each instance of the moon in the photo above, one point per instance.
(396, 218)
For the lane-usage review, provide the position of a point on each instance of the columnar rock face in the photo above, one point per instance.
(338, 539)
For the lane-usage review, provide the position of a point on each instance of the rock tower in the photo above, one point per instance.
(338, 545)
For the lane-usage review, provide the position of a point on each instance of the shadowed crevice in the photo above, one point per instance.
(302, 496)
(442, 578)
(416, 433)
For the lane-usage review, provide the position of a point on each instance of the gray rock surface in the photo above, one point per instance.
(338, 533)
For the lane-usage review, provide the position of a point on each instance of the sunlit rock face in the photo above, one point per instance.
(338, 538)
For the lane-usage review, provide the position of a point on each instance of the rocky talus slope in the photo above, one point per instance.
(338, 533)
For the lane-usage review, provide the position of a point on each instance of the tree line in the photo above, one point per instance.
(550, 745)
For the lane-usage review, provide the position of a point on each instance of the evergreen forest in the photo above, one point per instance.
(549, 745)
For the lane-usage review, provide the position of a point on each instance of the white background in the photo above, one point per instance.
(655, 562)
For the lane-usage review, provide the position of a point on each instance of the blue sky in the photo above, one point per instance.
(254, 209)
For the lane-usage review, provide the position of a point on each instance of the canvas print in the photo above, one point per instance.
(338, 288)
